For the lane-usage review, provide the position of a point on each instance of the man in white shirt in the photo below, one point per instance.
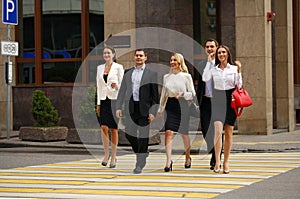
(138, 92)
(204, 95)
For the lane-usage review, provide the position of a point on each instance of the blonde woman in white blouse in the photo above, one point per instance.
(177, 89)
(109, 77)
(225, 76)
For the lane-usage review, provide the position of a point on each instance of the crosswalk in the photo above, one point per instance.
(88, 179)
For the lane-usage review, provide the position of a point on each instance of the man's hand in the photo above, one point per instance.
(211, 56)
(98, 110)
(118, 113)
(150, 118)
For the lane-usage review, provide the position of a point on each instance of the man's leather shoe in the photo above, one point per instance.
(137, 170)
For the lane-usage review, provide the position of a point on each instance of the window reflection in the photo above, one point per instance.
(96, 17)
(26, 73)
(61, 29)
(207, 19)
(56, 72)
(26, 29)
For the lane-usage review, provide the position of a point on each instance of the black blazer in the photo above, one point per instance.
(201, 84)
(148, 93)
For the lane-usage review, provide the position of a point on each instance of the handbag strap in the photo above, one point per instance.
(237, 112)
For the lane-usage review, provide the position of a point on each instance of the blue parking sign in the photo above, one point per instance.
(10, 12)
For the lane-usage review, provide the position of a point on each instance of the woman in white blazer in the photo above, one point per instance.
(109, 77)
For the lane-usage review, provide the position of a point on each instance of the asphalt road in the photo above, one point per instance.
(28, 156)
(285, 185)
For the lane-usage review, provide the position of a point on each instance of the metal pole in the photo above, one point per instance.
(8, 90)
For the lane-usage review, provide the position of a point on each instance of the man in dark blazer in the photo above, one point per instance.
(204, 95)
(138, 92)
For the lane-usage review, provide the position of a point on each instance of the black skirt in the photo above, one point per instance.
(177, 115)
(108, 113)
(221, 107)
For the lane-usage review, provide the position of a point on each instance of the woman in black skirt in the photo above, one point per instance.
(109, 77)
(225, 76)
(177, 88)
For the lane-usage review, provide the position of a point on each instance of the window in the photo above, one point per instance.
(205, 20)
(52, 41)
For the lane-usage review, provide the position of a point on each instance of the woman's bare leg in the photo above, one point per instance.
(227, 145)
(105, 142)
(218, 143)
(168, 145)
(114, 145)
(187, 147)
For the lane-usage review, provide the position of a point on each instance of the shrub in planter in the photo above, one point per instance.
(88, 110)
(46, 117)
(42, 110)
(87, 128)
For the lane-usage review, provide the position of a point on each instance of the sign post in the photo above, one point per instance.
(9, 17)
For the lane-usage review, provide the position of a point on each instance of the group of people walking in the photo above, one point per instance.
(133, 94)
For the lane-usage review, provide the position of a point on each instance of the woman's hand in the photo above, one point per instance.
(239, 65)
(159, 114)
(178, 95)
(113, 85)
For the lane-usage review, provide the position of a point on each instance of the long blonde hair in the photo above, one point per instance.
(179, 57)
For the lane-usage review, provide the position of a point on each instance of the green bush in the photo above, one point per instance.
(42, 109)
(88, 109)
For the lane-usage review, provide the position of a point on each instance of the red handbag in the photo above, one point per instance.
(240, 99)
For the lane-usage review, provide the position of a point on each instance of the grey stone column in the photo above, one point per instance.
(254, 50)
(284, 64)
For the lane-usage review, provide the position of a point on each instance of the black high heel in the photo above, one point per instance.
(103, 163)
(113, 165)
(187, 166)
(167, 169)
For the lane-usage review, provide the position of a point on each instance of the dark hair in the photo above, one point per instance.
(140, 49)
(229, 59)
(212, 40)
(112, 50)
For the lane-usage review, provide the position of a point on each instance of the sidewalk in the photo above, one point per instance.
(277, 142)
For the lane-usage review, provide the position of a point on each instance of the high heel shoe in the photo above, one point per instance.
(167, 169)
(225, 171)
(113, 165)
(216, 170)
(187, 166)
(103, 163)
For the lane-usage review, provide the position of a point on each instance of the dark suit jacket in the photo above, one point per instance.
(148, 92)
(201, 84)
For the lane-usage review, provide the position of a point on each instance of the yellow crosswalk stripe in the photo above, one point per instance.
(114, 192)
(88, 179)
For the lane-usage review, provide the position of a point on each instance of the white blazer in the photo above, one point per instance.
(115, 75)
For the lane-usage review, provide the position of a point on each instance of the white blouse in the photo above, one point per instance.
(174, 83)
(223, 79)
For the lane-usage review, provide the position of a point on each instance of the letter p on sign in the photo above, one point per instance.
(10, 12)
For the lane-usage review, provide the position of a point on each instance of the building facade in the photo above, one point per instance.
(59, 42)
